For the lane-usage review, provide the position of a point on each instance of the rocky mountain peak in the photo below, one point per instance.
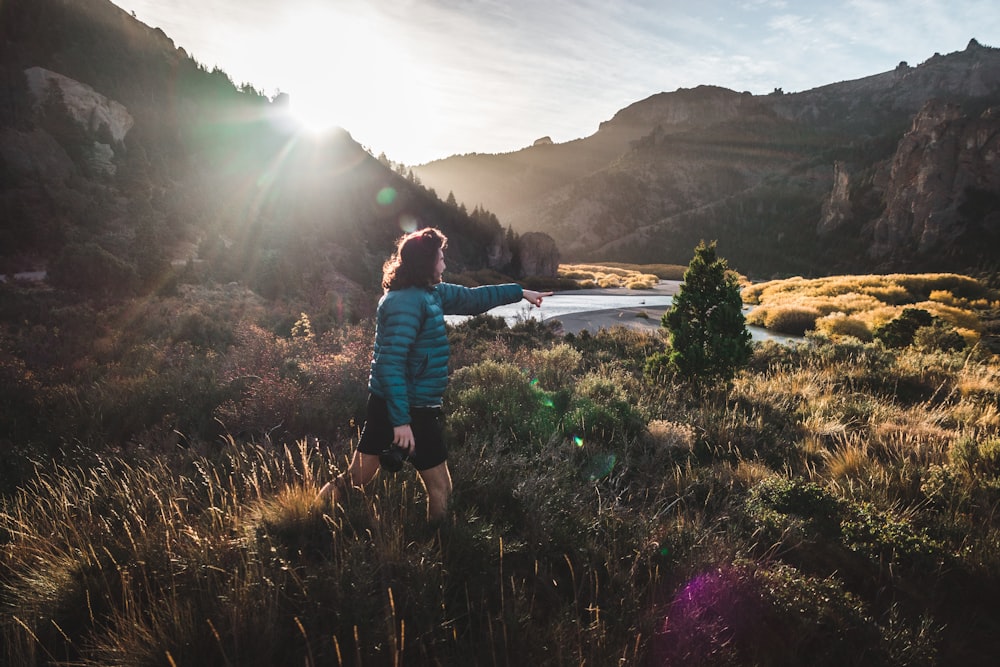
(685, 107)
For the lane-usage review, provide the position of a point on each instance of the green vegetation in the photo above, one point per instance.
(835, 505)
(708, 336)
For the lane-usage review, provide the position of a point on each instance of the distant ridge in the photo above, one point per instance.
(742, 168)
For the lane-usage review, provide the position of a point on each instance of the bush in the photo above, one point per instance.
(791, 320)
(974, 458)
(620, 346)
(900, 332)
(555, 366)
(602, 410)
(938, 337)
(492, 400)
(840, 324)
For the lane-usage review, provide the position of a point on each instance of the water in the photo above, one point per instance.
(567, 303)
(557, 305)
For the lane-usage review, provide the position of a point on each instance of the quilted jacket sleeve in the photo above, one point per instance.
(399, 320)
(458, 300)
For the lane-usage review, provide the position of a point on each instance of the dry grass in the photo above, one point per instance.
(857, 305)
(827, 468)
(596, 275)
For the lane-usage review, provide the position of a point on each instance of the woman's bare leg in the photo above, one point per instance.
(362, 470)
(437, 483)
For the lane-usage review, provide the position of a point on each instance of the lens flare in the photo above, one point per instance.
(386, 196)
(578, 441)
(408, 223)
(601, 467)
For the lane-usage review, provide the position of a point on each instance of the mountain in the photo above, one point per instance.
(127, 166)
(845, 177)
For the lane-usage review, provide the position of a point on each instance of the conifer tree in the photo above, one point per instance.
(708, 335)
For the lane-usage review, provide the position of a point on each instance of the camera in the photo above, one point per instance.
(392, 458)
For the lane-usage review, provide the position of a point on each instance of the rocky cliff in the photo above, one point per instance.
(94, 111)
(943, 184)
(105, 122)
(537, 255)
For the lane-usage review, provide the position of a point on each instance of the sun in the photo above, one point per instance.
(343, 69)
(313, 110)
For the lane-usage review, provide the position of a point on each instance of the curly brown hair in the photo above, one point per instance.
(412, 265)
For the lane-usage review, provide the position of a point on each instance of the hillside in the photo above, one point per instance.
(124, 157)
(763, 174)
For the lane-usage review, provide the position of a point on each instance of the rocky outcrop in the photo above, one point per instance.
(91, 109)
(537, 255)
(499, 253)
(943, 165)
(837, 208)
(106, 120)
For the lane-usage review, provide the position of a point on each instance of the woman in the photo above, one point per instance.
(409, 370)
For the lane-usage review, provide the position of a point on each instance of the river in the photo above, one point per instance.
(596, 309)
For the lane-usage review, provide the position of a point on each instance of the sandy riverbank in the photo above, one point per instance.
(645, 318)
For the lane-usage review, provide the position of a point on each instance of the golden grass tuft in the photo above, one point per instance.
(671, 435)
(842, 324)
(751, 473)
(850, 461)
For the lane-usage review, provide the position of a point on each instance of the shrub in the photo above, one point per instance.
(90, 268)
(601, 409)
(620, 346)
(555, 366)
(900, 332)
(975, 458)
(840, 324)
(658, 367)
(938, 337)
(781, 505)
(493, 399)
(792, 320)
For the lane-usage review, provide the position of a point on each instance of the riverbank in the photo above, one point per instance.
(641, 317)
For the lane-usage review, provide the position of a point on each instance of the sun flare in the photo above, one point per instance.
(345, 70)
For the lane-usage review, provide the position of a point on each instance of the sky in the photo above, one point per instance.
(425, 79)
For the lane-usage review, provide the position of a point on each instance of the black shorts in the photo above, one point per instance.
(428, 433)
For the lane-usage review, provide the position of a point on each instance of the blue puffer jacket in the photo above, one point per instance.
(410, 361)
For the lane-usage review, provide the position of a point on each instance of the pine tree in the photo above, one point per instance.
(708, 335)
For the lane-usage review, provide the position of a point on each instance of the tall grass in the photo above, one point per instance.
(835, 505)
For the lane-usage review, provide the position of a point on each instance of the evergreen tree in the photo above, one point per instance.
(708, 335)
